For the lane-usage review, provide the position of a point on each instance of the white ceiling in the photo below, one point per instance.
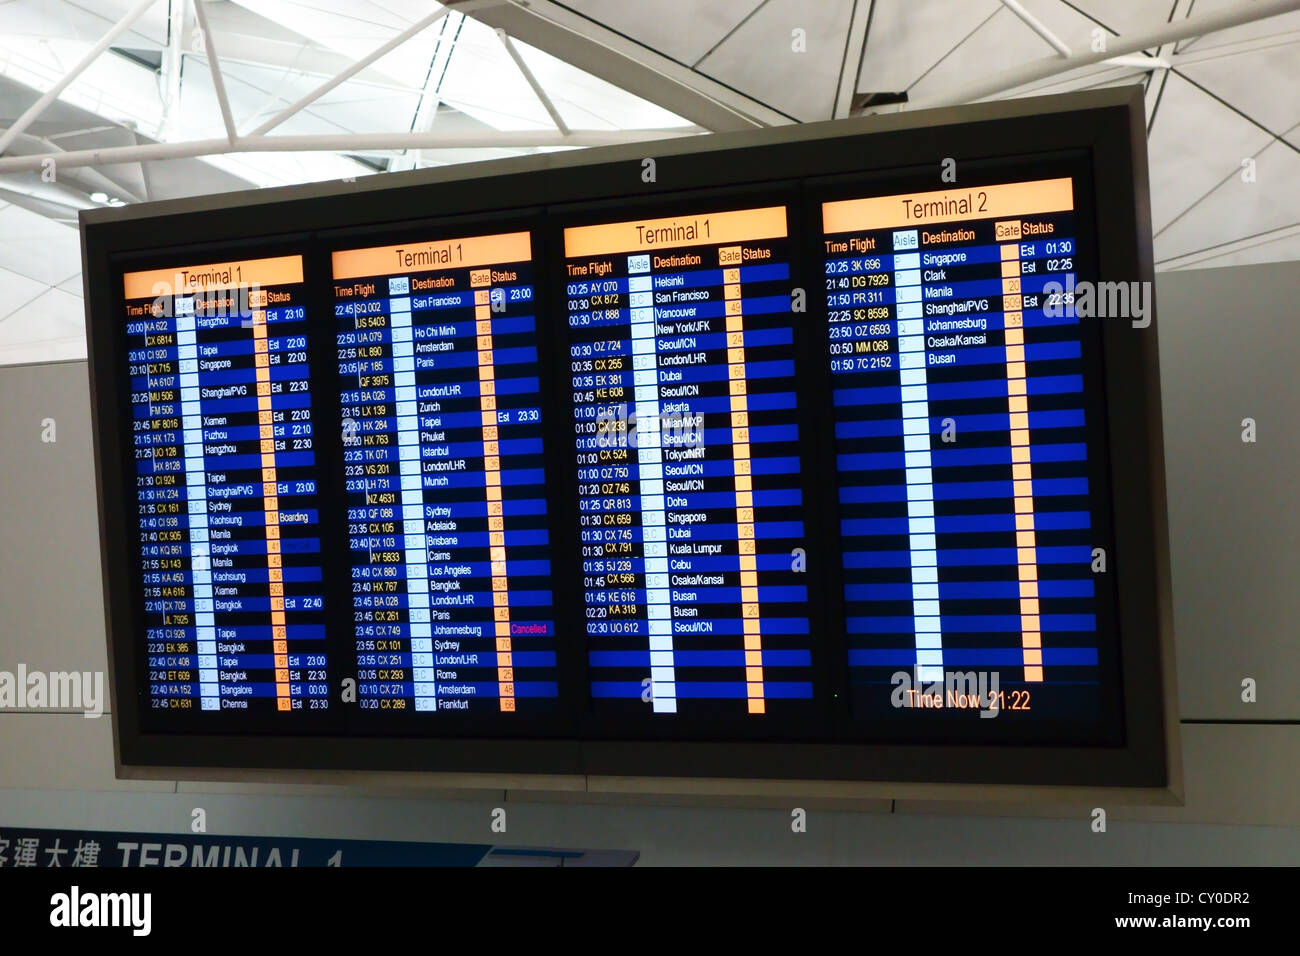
(604, 65)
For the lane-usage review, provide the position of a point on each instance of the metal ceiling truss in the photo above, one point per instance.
(258, 141)
(605, 53)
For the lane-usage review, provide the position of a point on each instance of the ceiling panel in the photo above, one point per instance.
(907, 39)
(85, 20)
(358, 27)
(16, 290)
(759, 57)
(1001, 38)
(1195, 144)
(588, 102)
(49, 328)
(1133, 16)
(33, 246)
(1236, 209)
(684, 30)
(1236, 79)
(1261, 29)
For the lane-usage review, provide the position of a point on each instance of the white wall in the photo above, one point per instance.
(1228, 351)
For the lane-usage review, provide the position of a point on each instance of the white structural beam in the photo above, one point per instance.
(1100, 75)
(87, 179)
(376, 54)
(215, 66)
(540, 93)
(1135, 62)
(555, 29)
(1000, 82)
(854, 48)
(173, 57)
(1037, 26)
(1237, 48)
(342, 142)
(49, 96)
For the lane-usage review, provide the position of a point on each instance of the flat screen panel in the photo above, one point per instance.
(227, 503)
(687, 452)
(967, 410)
(450, 569)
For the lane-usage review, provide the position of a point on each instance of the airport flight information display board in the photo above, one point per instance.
(687, 450)
(961, 446)
(808, 465)
(451, 598)
(227, 501)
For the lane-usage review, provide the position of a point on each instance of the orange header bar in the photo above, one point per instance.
(743, 225)
(947, 205)
(281, 270)
(432, 256)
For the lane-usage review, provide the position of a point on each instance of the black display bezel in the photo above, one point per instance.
(1106, 128)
